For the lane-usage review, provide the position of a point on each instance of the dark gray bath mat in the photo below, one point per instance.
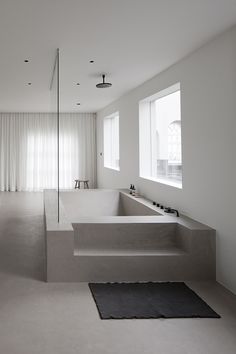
(148, 300)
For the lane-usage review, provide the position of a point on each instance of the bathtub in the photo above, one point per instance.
(109, 235)
(111, 222)
(97, 202)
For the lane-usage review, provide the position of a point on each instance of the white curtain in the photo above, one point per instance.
(28, 150)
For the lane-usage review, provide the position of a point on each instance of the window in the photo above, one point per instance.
(160, 137)
(111, 142)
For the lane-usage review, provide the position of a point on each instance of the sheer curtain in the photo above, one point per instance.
(28, 150)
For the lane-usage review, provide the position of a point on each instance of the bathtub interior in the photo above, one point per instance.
(95, 203)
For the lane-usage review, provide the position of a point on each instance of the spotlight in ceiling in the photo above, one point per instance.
(91, 61)
(103, 84)
(78, 104)
(29, 83)
(78, 84)
(26, 60)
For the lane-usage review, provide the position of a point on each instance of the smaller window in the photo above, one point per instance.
(111, 142)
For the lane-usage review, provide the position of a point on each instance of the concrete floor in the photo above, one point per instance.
(36, 317)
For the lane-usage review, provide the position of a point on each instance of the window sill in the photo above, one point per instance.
(176, 184)
(112, 168)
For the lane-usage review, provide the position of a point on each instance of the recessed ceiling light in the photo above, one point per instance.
(26, 60)
(91, 61)
(29, 83)
(78, 104)
(78, 84)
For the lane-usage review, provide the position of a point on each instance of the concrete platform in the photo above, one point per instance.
(107, 243)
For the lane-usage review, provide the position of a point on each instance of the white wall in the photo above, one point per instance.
(208, 102)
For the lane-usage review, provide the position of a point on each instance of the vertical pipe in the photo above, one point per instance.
(58, 143)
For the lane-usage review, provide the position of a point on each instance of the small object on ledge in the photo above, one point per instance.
(158, 205)
(84, 181)
(162, 206)
(133, 191)
(153, 203)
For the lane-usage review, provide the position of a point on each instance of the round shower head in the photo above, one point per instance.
(103, 84)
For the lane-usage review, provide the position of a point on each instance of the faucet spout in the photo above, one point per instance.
(171, 211)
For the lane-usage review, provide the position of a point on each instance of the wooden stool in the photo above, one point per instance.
(84, 181)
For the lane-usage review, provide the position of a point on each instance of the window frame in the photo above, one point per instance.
(105, 165)
(146, 127)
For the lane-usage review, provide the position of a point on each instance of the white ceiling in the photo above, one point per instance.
(130, 40)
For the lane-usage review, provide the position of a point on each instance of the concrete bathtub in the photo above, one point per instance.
(108, 235)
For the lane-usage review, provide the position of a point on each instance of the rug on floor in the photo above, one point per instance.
(149, 300)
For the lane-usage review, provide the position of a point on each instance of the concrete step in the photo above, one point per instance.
(125, 236)
(172, 251)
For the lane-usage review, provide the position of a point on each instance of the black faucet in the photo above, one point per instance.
(171, 211)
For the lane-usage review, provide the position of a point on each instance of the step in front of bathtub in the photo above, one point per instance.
(95, 265)
(173, 251)
(125, 236)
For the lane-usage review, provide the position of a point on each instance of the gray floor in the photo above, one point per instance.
(36, 317)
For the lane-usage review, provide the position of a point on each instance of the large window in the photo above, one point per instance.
(111, 142)
(160, 137)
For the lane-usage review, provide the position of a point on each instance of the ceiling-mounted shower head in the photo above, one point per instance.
(103, 84)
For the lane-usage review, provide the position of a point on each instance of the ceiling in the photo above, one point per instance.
(129, 40)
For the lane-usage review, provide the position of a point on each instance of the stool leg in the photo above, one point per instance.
(79, 184)
(87, 186)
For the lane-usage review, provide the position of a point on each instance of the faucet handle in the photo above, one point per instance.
(168, 209)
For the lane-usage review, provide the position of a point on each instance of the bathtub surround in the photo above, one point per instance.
(109, 235)
(208, 86)
(28, 150)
